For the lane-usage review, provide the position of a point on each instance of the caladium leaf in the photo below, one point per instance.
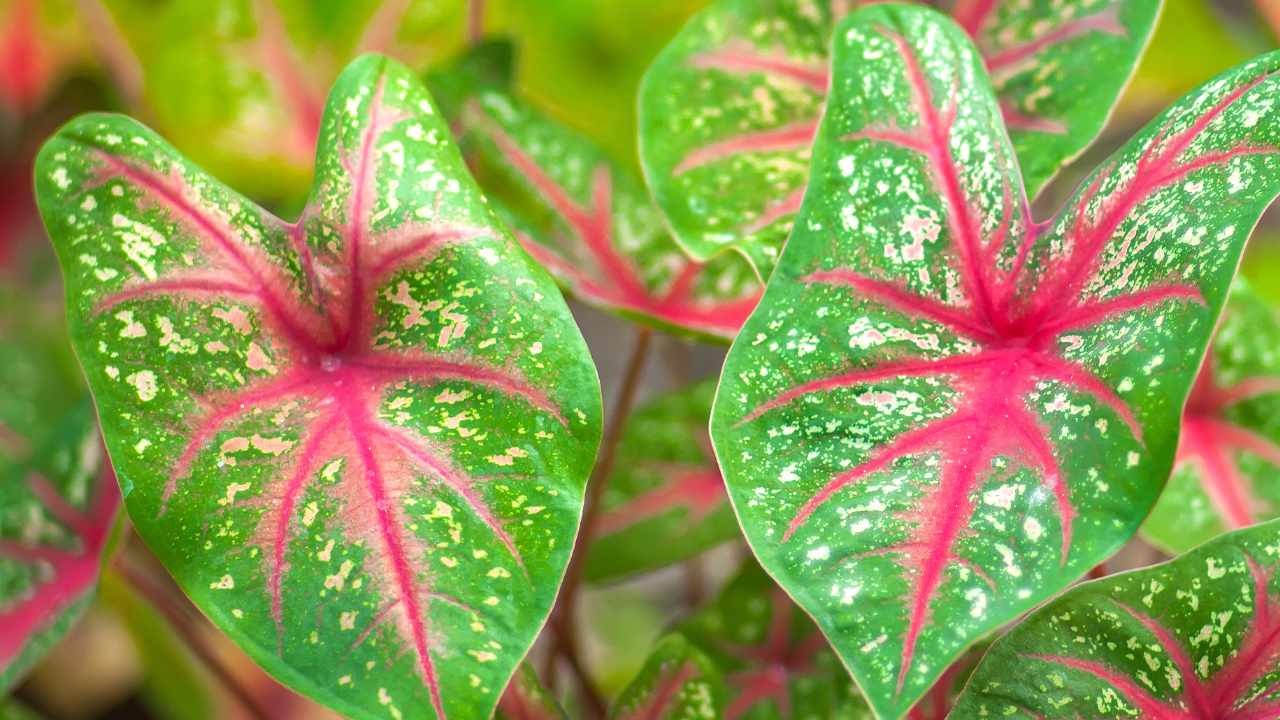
(594, 227)
(243, 94)
(677, 681)
(1228, 456)
(729, 109)
(942, 412)
(665, 500)
(526, 699)
(1195, 637)
(358, 441)
(57, 509)
(776, 663)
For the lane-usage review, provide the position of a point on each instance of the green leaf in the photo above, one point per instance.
(358, 441)
(665, 501)
(943, 412)
(238, 85)
(1196, 637)
(729, 109)
(489, 63)
(526, 699)
(1229, 449)
(677, 681)
(594, 227)
(776, 663)
(57, 510)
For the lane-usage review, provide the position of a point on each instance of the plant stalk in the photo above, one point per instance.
(181, 621)
(565, 640)
(1270, 12)
(475, 21)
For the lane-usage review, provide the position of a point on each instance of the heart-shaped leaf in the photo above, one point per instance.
(1196, 637)
(526, 699)
(677, 681)
(1229, 450)
(358, 441)
(776, 663)
(238, 85)
(729, 109)
(665, 501)
(593, 226)
(943, 412)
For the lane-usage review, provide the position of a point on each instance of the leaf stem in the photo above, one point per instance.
(565, 640)
(180, 619)
(1270, 12)
(475, 21)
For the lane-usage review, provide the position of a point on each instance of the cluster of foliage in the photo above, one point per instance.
(368, 442)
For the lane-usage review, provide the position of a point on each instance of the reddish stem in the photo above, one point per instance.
(475, 21)
(564, 639)
(180, 620)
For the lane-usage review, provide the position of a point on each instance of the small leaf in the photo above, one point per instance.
(942, 411)
(57, 509)
(526, 699)
(665, 501)
(1229, 449)
(593, 226)
(729, 109)
(677, 681)
(776, 663)
(358, 441)
(1196, 637)
(489, 63)
(57, 506)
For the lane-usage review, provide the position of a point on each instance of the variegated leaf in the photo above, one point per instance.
(728, 111)
(942, 411)
(677, 681)
(57, 510)
(776, 664)
(1225, 476)
(665, 500)
(57, 506)
(594, 227)
(359, 440)
(1196, 637)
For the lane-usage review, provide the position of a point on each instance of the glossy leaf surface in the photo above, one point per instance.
(677, 681)
(358, 441)
(943, 412)
(593, 226)
(665, 501)
(526, 699)
(1196, 637)
(239, 85)
(776, 663)
(1226, 474)
(728, 111)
